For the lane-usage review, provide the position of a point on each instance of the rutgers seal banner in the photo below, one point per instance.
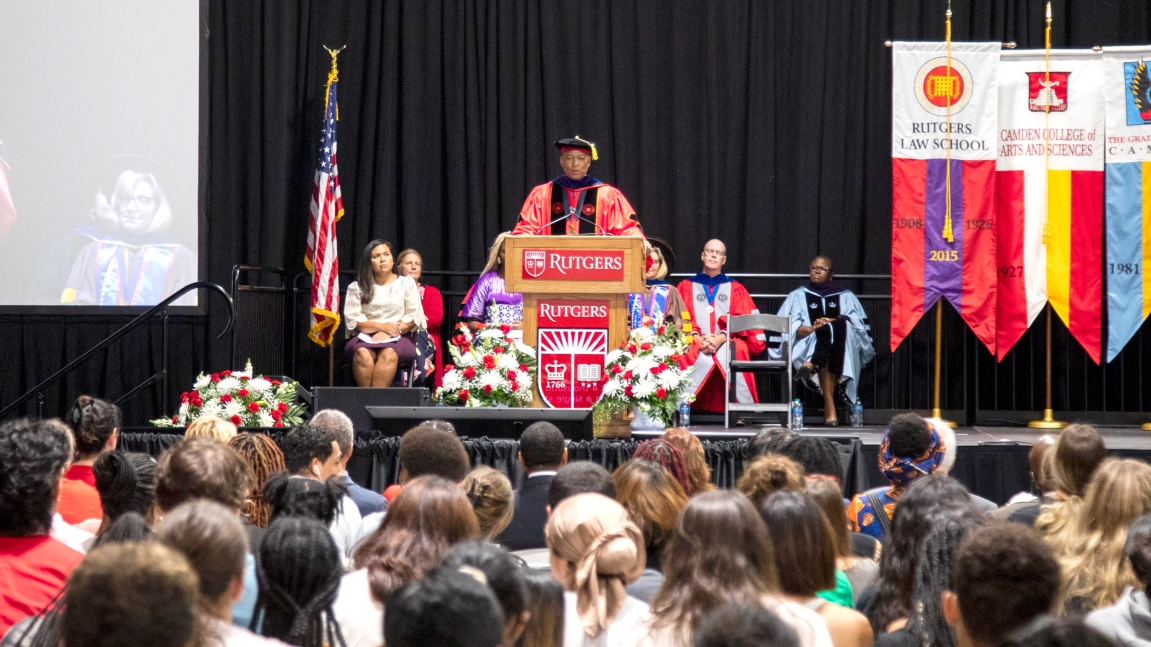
(1127, 88)
(943, 170)
(1049, 196)
(572, 337)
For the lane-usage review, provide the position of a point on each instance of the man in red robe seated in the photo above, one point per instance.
(575, 202)
(711, 297)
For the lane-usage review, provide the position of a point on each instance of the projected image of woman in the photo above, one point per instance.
(131, 261)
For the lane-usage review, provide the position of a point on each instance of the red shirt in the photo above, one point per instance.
(32, 571)
(79, 499)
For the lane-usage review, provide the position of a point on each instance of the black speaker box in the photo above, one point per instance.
(354, 400)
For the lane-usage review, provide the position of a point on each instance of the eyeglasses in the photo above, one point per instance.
(143, 201)
(816, 268)
(714, 252)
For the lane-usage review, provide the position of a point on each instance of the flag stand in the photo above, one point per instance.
(1048, 421)
(936, 412)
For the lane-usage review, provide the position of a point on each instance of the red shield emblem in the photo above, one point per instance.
(571, 366)
(1047, 95)
(534, 262)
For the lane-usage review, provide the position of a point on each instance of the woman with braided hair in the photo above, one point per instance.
(947, 528)
(263, 455)
(127, 486)
(298, 568)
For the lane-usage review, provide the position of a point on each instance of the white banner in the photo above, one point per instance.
(923, 88)
(1127, 77)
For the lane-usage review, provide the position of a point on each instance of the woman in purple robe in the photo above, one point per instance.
(487, 301)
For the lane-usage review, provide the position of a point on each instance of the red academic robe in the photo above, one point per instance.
(433, 302)
(601, 203)
(709, 312)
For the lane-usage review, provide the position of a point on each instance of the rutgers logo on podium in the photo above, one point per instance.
(535, 262)
(571, 364)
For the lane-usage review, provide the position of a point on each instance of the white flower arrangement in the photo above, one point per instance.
(489, 369)
(237, 396)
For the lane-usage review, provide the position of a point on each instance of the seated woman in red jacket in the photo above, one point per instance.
(410, 264)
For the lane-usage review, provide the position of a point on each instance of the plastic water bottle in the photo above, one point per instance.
(857, 414)
(796, 415)
(684, 415)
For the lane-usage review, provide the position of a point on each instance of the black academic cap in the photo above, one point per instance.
(666, 251)
(577, 142)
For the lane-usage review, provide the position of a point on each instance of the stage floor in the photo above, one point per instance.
(1117, 438)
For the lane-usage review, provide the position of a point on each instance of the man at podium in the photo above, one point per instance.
(575, 202)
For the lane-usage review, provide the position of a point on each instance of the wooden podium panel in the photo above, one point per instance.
(585, 273)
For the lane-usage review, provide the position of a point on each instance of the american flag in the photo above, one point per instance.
(327, 208)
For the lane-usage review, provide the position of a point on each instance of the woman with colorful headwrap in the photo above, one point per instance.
(658, 450)
(596, 551)
(911, 448)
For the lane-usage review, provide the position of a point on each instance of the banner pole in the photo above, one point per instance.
(1048, 421)
(936, 412)
(331, 364)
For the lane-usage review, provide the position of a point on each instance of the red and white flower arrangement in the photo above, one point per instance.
(238, 396)
(645, 374)
(489, 369)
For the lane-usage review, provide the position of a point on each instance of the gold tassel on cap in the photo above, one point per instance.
(594, 154)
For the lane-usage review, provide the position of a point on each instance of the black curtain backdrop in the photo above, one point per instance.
(766, 124)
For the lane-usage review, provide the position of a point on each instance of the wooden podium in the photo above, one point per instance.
(575, 307)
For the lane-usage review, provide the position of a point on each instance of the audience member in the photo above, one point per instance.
(689, 445)
(426, 519)
(448, 608)
(734, 625)
(1128, 621)
(1091, 550)
(33, 565)
(596, 551)
(340, 425)
(299, 568)
(293, 496)
(490, 493)
(580, 477)
(264, 458)
(202, 468)
(817, 456)
(1061, 632)
(911, 448)
(430, 448)
(654, 500)
(801, 539)
(312, 451)
(927, 625)
(503, 576)
(664, 453)
(770, 473)
(139, 594)
(545, 626)
(860, 571)
(215, 544)
(1004, 577)
(542, 452)
(410, 263)
(126, 483)
(769, 441)
(1077, 453)
(721, 554)
(1042, 483)
(211, 427)
(950, 453)
(95, 429)
(889, 599)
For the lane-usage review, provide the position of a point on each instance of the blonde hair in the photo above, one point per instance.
(1091, 551)
(211, 427)
(127, 182)
(662, 273)
(770, 473)
(404, 254)
(495, 254)
(490, 493)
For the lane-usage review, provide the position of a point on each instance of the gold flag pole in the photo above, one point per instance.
(948, 235)
(1048, 421)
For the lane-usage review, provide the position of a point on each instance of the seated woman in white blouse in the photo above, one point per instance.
(380, 310)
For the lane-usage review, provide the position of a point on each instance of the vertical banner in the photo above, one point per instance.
(1050, 194)
(943, 136)
(1127, 88)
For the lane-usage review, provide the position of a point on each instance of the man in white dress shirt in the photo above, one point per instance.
(311, 451)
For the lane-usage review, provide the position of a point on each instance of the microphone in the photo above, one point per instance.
(549, 224)
(600, 229)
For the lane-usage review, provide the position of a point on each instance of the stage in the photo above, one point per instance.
(992, 461)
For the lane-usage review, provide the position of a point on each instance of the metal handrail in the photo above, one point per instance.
(161, 307)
